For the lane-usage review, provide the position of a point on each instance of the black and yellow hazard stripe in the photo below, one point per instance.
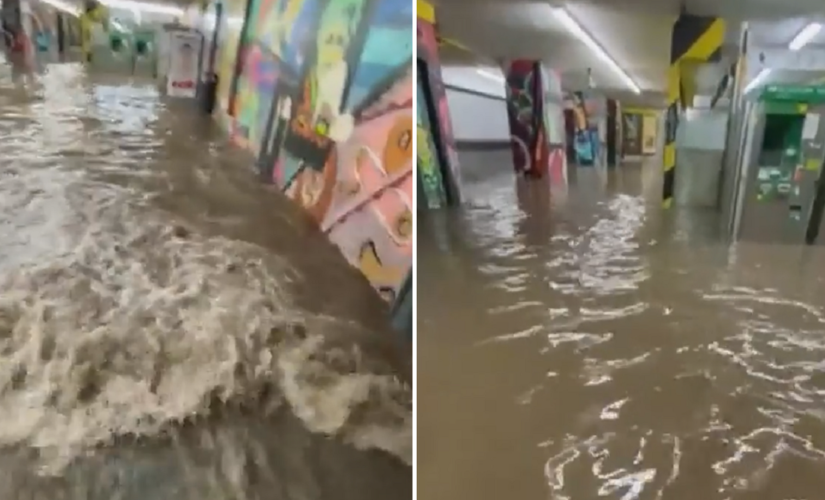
(695, 40)
(425, 11)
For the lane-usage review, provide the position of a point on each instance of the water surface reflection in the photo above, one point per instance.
(583, 345)
(169, 326)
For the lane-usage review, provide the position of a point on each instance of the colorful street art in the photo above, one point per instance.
(440, 124)
(428, 164)
(533, 109)
(324, 99)
(584, 129)
(524, 114)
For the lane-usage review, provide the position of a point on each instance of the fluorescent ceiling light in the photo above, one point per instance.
(760, 78)
(801, 39)
(576, 29)
(491, 76)
(805, 36)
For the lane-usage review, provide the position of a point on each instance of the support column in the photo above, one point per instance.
(61, 33)
(614, 133)
(735, 141)
(12, 23)
(523, 113)
(526, 87)
(696, 40)
(436, 155)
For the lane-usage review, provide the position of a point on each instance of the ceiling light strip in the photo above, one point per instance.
(758, 80)
(491, 76)
(803, 38)
(577, 30)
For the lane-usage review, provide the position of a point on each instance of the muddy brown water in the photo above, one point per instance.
(169, 326)
(584, 345)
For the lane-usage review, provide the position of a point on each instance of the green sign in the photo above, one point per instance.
(794, 93)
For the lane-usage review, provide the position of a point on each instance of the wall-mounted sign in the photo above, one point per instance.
(796, 93)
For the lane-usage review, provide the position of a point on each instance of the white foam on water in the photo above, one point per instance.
(142, 325)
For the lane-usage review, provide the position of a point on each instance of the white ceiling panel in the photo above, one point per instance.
(635, 33)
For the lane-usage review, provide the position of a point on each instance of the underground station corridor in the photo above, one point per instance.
(122, 212)
(594, 324)
(172, 327)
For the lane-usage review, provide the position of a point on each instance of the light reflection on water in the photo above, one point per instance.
(593, 347)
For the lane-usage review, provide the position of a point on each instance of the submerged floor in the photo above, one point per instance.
(171, 328)
(585, 345)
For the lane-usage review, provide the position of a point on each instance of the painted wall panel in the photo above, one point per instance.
(324, 100)
(533, 99)
(588, 128)
(428, 162)
(441, 121)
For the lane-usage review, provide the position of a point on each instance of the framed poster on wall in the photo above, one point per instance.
(649, 128)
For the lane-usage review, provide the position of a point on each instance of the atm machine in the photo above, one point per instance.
(781, 194)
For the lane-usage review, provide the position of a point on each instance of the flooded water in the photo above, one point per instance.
(170, 327)
(587, 346)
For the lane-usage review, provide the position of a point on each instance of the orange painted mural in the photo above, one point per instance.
(324, 98)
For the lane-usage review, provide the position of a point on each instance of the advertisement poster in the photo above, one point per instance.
(632, 125)
(649, 128)
(182, 77)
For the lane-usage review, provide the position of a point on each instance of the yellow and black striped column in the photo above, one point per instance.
(695, 40)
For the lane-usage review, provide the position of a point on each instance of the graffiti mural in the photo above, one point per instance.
(583, 138)
(324, 98)
(428, 163)
(524, 114)
(440, 124)
(534, 109)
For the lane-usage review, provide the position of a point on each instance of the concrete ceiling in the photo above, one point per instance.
(635, 33)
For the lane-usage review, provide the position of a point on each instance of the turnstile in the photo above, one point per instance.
(126, 53)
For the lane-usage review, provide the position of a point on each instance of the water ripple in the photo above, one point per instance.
(624, 357)
(151, 349)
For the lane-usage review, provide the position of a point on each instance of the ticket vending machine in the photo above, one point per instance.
(781, 194)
